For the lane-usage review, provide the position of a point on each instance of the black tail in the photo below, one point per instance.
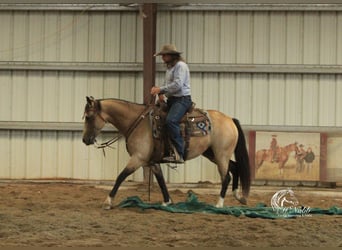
(242, 160)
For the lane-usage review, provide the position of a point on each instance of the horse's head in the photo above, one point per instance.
(93, 121)
(291, 147)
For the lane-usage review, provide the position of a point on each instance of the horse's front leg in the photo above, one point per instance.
(281, 168)
(161, 182)
(108, 204)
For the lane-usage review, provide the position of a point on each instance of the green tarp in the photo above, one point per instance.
(192, 205)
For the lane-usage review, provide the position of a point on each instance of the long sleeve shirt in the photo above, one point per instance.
(177, 81)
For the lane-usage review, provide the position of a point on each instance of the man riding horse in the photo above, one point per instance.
(177, 90)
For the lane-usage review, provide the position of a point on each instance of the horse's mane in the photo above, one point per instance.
(120, 100)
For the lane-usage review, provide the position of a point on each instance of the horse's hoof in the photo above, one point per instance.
(107, 204)
(165, 204)
(107, 207)
(243, 200)
(220, 203)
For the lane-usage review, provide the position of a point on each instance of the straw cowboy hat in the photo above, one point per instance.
(168, 49)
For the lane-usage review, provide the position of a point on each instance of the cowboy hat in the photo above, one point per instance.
(168, 49)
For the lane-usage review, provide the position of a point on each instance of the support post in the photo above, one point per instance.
(149, 40)
(149, 16)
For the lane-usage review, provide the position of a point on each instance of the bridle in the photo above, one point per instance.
(97, 113)
(130, 129)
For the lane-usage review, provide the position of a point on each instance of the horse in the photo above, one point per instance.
(132, 121)
(282, 156)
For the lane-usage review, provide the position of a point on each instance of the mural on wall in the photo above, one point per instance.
(287, 156)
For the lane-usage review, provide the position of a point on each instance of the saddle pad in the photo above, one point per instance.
(197, 126)
(195, 123)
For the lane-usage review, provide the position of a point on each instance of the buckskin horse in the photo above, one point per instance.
(132, 121)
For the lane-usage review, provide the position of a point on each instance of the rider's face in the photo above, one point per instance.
(166, 58)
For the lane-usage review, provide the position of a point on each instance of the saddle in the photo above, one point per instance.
(195, 123)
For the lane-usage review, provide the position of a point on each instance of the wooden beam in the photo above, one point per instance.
(149, 14)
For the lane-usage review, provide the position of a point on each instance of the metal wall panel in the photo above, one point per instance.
(60, 96)
(261, 35)
(48, 154)
(327, 99)
(328, 38)
(243, 37)
(277, 37)
(311, 37)
(260, 99)
(228, 34)
(70, 36)
(5, 152)
(6, 27)
(211, 36)
(211, 49)
(334, 170)
(195, 46)
(339, 38)
(310, 100)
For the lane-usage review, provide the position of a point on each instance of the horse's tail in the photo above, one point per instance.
(242, 159)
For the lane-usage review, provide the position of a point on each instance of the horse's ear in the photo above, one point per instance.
(90, 100)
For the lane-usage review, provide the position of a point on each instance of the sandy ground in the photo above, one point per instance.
(64, 214)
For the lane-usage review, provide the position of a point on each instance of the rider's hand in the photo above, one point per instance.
(161, 98)
(155, 90)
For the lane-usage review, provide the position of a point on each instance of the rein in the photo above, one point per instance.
(129, 130)
(138, 120)
(109, 142)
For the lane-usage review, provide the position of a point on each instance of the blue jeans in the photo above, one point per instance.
(177, 107)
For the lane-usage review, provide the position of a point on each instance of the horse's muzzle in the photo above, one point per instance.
(88, 141)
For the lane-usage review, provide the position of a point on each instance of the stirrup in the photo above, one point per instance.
(173, 159)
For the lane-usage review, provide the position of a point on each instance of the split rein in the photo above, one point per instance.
(135, 124)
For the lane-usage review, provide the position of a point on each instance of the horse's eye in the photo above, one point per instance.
(89, 118)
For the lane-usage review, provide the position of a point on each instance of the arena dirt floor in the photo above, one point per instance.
(70, 214)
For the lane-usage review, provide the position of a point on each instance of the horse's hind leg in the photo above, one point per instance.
(232, 172)
(224, 186)
(161, 182)
(233, 169)
(223, 169)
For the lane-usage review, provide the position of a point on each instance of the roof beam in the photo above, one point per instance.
(236, 6)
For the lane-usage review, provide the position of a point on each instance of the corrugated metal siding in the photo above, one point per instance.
(36, 154)
(271, 99)
(245, 37)
(70, 36)
(60, 96)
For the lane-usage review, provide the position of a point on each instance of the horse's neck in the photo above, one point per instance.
(289, 148)
(121, 114)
